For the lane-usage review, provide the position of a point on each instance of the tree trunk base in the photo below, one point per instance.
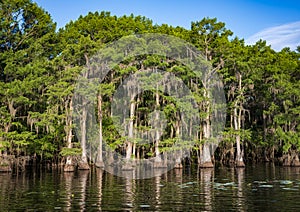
(5, 165)
(127, 167)
(5, 168)
(99, 164)
(286, 162)
(159, 164)
(207, 165)
(239, 164)
(83, 166)
(69, 168)
(295, 162)
(178, 166)
(231, 164)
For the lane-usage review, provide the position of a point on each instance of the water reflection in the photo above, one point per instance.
(178, 175)
(99, 175)
(83, 178)
(68, 178)
(206, 179)
(157, 192)
(258, 187)
(240, 200)
(5, 185)
(178, 178)
(129, 195)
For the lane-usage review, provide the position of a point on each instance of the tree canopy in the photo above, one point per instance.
(39, 66)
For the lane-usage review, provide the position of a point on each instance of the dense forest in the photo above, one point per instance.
(40, 65)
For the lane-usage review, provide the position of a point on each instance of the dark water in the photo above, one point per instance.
(254, 188)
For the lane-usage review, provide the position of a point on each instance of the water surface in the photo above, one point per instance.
(254, 188)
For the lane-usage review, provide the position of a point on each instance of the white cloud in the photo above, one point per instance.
(287, 35)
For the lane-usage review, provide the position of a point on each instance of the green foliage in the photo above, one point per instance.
(70, 152)
(39, 68)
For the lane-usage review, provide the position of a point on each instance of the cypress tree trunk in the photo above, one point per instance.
(237, 126)
(129, 146)
(99, 161)
(158, 163)
(83, 164)
(130, 129)
(69, 166)
(206, 161)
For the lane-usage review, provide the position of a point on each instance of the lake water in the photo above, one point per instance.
(254, 188)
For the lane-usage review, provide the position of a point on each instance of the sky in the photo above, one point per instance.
(276, 21)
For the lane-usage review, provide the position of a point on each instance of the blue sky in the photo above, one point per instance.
(273, 20)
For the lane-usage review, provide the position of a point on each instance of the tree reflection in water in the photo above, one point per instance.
(99, 176)
(68, 178)
(83, 178)
(240, 202)
(206, 180)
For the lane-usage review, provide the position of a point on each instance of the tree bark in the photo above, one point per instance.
(237, 126)
(83, 164)
(69, 166)
(130, 129)
(99, 161)
(129, 144)
(158, 163)
(206, 161)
